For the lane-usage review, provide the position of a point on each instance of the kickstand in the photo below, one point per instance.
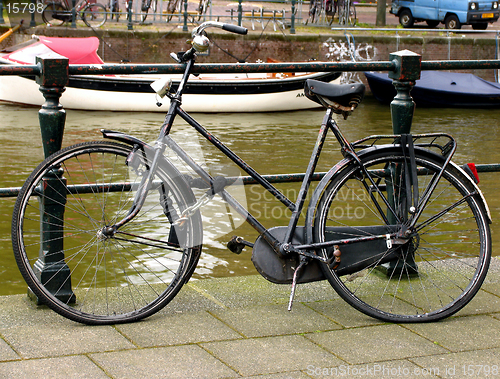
(303, 261)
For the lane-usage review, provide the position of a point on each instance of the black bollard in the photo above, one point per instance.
(52, 117)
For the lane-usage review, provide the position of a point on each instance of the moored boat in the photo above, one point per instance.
(440, 89)
(204, 93)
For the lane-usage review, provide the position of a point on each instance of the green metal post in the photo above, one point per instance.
(408, 67)
(52, 117)
(240, 12)
(2, 21)
(292, 19)
(129, 16)
(185, 26)
(33, 22)
(407, 72)
(73, 14)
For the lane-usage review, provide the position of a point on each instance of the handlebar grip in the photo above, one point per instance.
(235, 29)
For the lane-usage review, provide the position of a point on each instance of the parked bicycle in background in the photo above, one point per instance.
(92, 14)
(325, 10)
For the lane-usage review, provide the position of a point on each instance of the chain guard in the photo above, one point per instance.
(280, 270)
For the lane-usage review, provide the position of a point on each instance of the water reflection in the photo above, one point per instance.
(273, 143)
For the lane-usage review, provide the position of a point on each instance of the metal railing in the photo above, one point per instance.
(52, 75)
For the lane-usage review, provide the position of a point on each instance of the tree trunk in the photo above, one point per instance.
(381, 9)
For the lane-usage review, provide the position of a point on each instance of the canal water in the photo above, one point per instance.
(273, 143)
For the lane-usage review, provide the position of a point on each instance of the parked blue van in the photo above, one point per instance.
(452, 13)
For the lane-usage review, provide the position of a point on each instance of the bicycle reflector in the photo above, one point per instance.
(470, 169)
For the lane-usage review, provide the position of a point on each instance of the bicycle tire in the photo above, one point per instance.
(171, 8)
(49, 10)
(94, 15)
(202, 8)
(352, 14)
(145, 5)
(121, 278)
(432, 276)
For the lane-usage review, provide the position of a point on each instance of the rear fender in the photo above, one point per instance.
(318, 192)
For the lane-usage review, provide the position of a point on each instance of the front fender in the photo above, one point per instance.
(125, 138)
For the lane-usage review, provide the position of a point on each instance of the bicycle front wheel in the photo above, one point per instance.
(427, 277)
(50, 11)
(94, 15)
(68, 257)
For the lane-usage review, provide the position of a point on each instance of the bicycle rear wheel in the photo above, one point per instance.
(430, 275)
(94, 15)
(79, 270)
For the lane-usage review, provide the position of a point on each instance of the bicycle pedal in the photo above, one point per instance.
(237, 244)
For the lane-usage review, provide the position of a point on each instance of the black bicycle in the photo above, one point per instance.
(108, 232)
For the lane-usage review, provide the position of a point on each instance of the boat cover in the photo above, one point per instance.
(451, 82)
(77, 50)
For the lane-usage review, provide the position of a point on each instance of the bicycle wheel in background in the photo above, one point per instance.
(171, 8)
(145, 6)
(94, 15)
(352, 14)
(202, 8)
(48, 14)
(86, 273)
(427, 277)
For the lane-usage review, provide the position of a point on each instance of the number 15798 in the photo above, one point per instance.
(24, 7)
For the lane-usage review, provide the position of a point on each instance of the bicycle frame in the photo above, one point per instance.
(282, 248)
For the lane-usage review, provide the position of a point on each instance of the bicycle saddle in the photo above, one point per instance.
(341, 98)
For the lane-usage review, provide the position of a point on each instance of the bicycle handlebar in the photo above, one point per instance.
(227, 27)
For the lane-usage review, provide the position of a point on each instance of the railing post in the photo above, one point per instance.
(73, 14)
(185, 26)
(407, 72)
(32, 22)
(129, 16)
(2, 21)
(50, 264)
(292, 18)
(240, 12)
(408, 67)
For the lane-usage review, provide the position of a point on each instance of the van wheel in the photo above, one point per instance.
(480, 26)
(432, 23)
(406, 19)
(452, 22)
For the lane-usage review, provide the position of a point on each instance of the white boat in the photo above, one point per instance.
(207, 93)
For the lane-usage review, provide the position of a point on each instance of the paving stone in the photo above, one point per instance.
(375, 343)
(342, 313)
(461, 333)
(19, 310)
(76, 367)
(59, 339)
(269, 320)
(469, 364)
(255, 290)
(482, 303)
(269, 355)
(6, 352)
(163, 362)
(176, 330)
